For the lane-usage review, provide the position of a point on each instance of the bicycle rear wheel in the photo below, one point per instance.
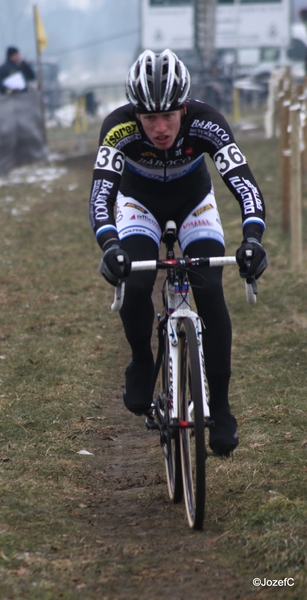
(191, 424)
(170, 443)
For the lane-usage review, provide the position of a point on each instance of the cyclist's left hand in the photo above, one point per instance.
(254, 265)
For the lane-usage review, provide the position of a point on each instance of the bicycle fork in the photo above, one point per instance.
(173, 325)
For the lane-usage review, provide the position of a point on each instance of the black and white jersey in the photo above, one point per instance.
(168, 182)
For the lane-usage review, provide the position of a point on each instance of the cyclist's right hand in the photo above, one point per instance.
(115, 264)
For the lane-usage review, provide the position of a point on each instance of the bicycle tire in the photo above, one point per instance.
(191, 424)
(171, 448)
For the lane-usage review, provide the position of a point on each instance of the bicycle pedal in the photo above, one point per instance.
(151, 424)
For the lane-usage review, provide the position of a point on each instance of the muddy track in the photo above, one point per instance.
(150, 552)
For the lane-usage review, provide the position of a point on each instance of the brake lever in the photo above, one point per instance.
(118, 295)
(252, 281)
(251, 289)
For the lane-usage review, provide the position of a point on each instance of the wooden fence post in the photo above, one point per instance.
(303, 100)
(236, 104)
(271, 116)
(284, 104)
(296, 185)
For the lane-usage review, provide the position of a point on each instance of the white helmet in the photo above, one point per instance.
(157, 82)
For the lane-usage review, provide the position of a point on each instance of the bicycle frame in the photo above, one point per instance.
(176, 301)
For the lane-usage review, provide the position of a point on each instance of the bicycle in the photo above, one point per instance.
(181, 407)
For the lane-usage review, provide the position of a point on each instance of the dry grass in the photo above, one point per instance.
(74, 526)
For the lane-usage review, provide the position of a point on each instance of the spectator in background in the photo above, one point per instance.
(15, 73)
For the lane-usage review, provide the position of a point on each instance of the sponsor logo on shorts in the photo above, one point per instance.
(119, 132)
(145, 218)
(202, 209)
(148, 220)
(143, 230)
(136, 207)
(197, 223)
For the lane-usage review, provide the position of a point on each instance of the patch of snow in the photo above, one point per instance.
(31, 175)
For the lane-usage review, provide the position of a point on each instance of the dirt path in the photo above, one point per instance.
(149, 550)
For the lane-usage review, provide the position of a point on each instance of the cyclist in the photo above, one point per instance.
(151, 163)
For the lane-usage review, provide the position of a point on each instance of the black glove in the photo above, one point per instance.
(115, 264)
(254, 265)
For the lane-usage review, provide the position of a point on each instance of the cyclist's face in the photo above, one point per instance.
(162, 128)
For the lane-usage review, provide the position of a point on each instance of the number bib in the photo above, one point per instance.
(228, 158)
(110, 159)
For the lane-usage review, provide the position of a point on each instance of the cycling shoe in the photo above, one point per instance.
(138, 390)
(223, 437)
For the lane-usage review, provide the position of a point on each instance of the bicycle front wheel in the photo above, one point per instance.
(191, 424)
(171, 445)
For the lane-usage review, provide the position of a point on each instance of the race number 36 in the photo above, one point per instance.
(228, 158)
(110, 159)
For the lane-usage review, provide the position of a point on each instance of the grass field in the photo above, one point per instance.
(100, 525)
